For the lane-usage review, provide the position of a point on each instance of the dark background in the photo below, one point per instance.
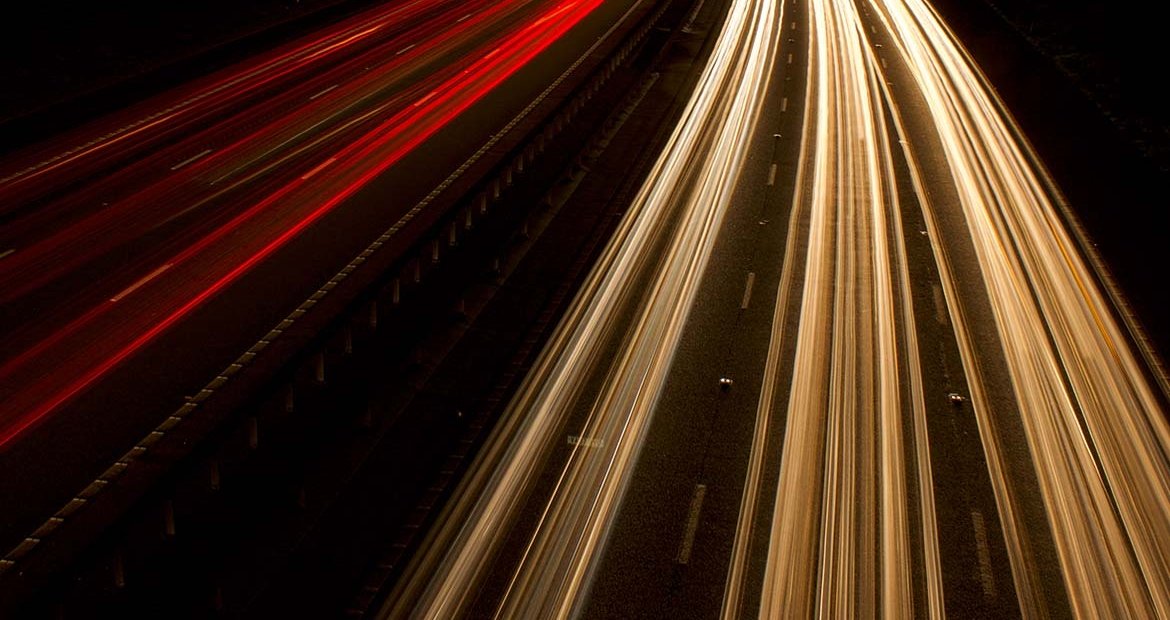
(66, 61)
(54, 50)
(1086, 80)
(1114, 52)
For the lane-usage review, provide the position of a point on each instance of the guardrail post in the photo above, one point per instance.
(289, 399)
(253, 433)
(374, 314)
(347, 339)
(169, 518)
(396, 291)
(319, 367)
(213, 475)
(435, 251)
(119, 569)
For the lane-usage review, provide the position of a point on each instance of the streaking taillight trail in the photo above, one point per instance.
(254, 143)
(49, 376)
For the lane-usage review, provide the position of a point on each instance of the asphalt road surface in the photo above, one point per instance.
(146, 252)
(846, 357)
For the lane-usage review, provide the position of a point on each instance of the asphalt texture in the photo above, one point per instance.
(61, 456)
(701, 435)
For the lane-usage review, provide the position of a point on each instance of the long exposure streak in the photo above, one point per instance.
(353, 167)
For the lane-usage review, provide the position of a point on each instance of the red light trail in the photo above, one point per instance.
(59, 367)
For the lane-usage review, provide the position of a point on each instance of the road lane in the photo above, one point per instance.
(1095, 424)
(56, 355)
(678, 210)
(854, 529)
(840, 541)
(56, 459)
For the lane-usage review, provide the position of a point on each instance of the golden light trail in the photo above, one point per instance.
(1093, 421)
(698, 171)
(667, 235)
(845, 539)
(840, 535)
(1081, 392)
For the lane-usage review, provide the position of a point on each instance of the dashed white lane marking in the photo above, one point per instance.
(940, 304)
(189, 160)
(424, 99)
(772, 175)
(318, 168)
(747, 289)
(5, 253)
(133, 287)
(986, 577)
(688, 541)
(322, 92)
(404, 50)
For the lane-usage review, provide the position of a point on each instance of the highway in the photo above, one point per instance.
(136, 191)
(147, 252)
(848, 353)
(846, 357)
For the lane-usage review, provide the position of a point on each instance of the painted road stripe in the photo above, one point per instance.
(986, 577)
(772, 175)
(5, 253)
(747, 289)
(323, 92)
(424, 99)
(189, 160)
(784, 104)
(404, 50)
(133, 287)
(318, 168)
(688, 541)
(940, 304)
